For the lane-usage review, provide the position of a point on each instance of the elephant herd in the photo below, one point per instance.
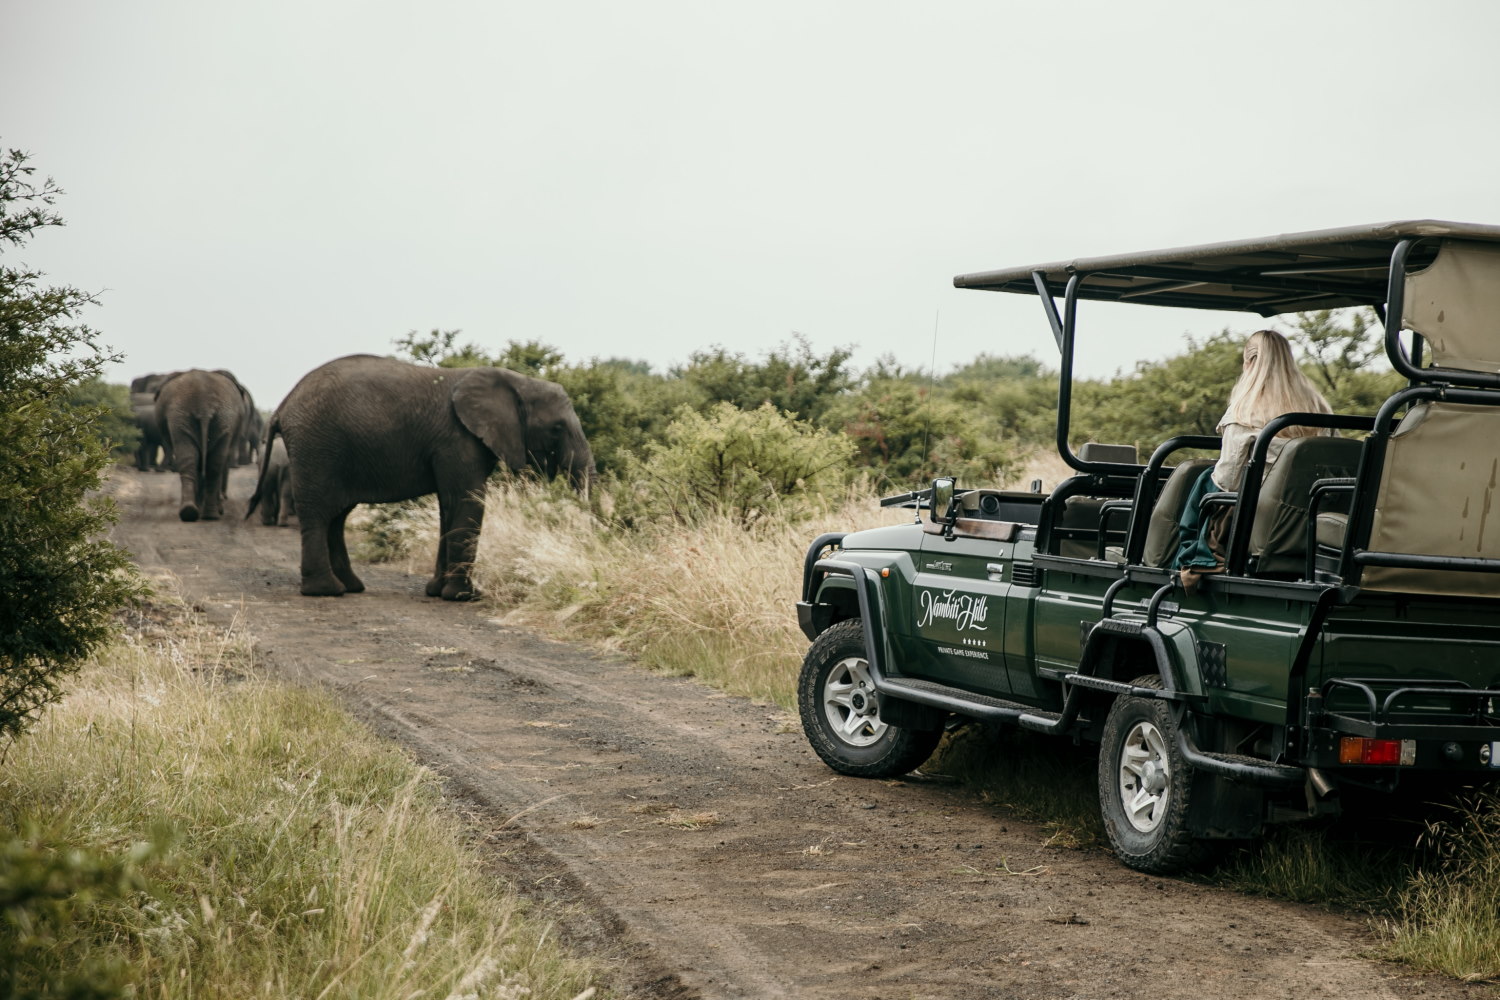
(362, 429)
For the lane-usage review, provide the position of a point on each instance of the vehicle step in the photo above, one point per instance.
(953, 699)
(1039, 721)
(1240, 767)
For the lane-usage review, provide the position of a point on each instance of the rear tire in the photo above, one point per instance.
(1145, 786)
(839, 709)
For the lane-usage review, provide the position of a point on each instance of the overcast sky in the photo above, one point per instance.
(266, 186)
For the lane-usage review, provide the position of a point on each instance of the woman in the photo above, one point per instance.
(1269, 385)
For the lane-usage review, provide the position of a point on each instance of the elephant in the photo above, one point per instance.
(199, 414)
(247, 449)
(247, 439)
(143, 405)
(278, 504)
(367, 429)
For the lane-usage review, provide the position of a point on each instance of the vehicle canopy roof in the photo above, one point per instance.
(1293, 272)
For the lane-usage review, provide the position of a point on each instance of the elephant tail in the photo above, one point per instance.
(205, 426)
(272, 429)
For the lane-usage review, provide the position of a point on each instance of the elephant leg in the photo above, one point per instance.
(462, 539)
(216, 476)
(445, 524)
(318, 579)
(338, 555)
(288, 506)
(190, 499)
(270, 506)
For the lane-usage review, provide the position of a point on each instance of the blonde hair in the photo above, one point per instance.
(1270, 385)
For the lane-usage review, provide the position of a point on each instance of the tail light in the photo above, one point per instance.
(1389, 753)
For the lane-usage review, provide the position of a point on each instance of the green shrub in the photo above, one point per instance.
(114, 422)
(49, 894)
(60, 581)
(742, 464)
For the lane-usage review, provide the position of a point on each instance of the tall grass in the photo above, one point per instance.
(300, 856)
(1447, 918)
(711, 599)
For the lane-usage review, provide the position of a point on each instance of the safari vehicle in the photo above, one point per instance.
(1353, 641)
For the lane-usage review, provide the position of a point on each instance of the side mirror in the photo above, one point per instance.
(942, 500)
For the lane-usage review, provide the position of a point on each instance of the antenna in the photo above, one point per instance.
(931, 384)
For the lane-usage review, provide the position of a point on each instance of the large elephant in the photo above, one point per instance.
(143, 404)
(366, 429)
(199, 414)
(277, 502)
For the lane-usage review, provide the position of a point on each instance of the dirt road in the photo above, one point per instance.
(694, 838)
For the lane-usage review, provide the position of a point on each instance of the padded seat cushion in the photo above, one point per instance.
(1331, 529)
(1162, 532)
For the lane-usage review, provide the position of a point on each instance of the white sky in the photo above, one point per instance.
(265, 186)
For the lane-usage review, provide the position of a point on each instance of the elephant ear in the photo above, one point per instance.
(489, 403)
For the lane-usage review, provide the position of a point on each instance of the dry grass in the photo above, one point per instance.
(713, 600)
(307, 858)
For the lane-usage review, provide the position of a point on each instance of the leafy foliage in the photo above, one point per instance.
(791, 378)
(744, 464)
(1185, 394)
(47, 890)
(978, 422)
(60, 582)
(903, 428)
(115, 424)
(1347, 363)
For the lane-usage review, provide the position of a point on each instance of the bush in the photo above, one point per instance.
(60, 582)
(741, 464)
(47, 892)
(114, 422)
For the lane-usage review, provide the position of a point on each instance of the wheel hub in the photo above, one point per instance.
(850, 705)
(1144, 777)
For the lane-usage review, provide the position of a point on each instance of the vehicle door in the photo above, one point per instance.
(959, 604)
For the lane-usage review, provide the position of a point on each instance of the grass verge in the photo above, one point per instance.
(209, 834)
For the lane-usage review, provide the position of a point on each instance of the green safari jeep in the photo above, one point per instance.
(1353, 641)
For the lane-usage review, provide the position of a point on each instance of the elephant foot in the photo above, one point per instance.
(189, 512)
(352, 584)
(435, 587)
(328, 587)
(459, 590)
(211, 515)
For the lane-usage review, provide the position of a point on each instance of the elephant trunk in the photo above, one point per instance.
(579, 460)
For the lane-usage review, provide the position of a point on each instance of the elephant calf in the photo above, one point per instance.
(366, 429)
(278, 503)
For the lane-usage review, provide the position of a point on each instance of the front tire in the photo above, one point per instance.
(839, 709)
(1145, 786)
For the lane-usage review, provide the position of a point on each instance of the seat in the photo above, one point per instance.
(1119, 454)
(1278, 538)
(1438, 483)
(1162, 528)
(1456, 447)
(1084, 513)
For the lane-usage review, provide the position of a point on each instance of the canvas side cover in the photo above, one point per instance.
(1439, 496)
(1455, 304)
